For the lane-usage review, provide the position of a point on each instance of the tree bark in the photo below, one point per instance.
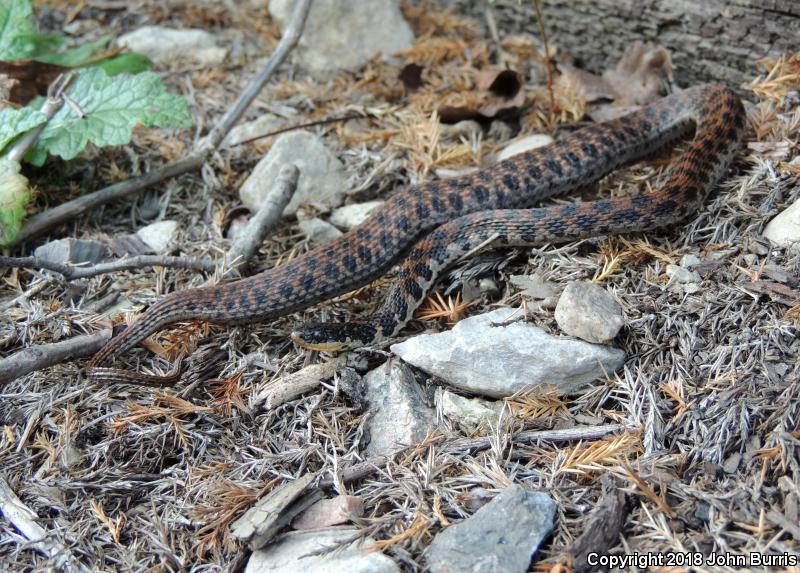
(710, 40)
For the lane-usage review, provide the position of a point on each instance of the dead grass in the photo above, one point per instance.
(153, 479)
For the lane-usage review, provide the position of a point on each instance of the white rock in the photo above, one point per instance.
(681, 275)
(322, 179)
(318, 231)
(327, 512)
(345, 34)
(265, 124)
(400, 415)
(690, 260)
(158, 236)
(483, 355)
(470, 413)
(534, 286)
(72, 251)
(589, 312)
(350, 216)
(295, 552)
(784, 229)
(524, 144)
(167, 46)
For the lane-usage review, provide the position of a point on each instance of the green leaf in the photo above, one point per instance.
(74, 56)
(131, 63)
(110, 108)
(16, 30)
(14, 122)
(14, 196)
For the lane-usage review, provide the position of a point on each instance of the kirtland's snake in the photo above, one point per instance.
(433, 224)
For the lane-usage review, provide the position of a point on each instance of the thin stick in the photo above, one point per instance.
(41, 356)
(52, 103)
(547, 59)
(265, 218)
(363, 469)
(71, 273)
(302, 126)
(40, 223)
(24, 519)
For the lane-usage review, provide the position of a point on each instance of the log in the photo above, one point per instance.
(710, 40)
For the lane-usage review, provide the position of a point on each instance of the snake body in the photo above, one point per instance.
(437, 222)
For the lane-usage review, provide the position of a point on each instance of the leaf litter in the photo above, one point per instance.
(710, 390)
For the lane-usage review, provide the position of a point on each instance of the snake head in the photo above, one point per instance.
(334, 337)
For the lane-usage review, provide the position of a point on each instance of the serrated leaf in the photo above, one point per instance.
(14, 122)
(15, 29)
(110, 108)
(131, 63)
(73, 57)
(14, 196)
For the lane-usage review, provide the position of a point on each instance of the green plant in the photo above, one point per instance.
(107, 97)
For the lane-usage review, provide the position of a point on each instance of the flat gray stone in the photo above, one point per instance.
(158, 236)
(72, 251)
(345, 34)
(784, 229)
(470, 413)
(589, 312)
(266, 123)
(484, 355)
(400, 415)
(327, 512)
(322, 181)
(502, 536)
(353, 215)
(292, 553)
(318, 231)
(167, 46)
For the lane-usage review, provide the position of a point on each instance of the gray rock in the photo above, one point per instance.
(588, 312)
(400, 415)
(688, 261)
(265, 124)
(784, 229)
(483, 355)
(322, 178)
(345, 34)
(534, 286)
(294, 553)
(327, 512)
(681, 275)
(318, 231)
(470, 413)
(158, 236)
(72, 251)
(524, 144)
(166, 46)
(349, 216)
(503, 535)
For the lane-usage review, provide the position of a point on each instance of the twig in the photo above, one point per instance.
(71, 273)
(52, 103)
(40, 223)
(265, 218)
(564, 435)
(24, 519)
(548, 61)
(289, 40)
(360, 470)
(45, 355)
(302, 126)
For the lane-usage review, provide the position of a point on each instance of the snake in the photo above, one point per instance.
(426, 227)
